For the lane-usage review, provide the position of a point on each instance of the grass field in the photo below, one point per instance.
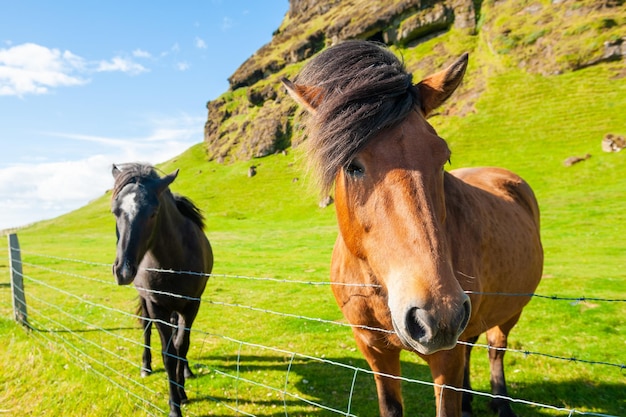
(82, 359)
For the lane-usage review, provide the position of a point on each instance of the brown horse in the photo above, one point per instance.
(435, 242)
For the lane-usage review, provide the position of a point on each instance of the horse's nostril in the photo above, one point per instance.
(465, 315)
(414, 325)
(124, 272)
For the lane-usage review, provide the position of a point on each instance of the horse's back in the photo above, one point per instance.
(493, 222)
(198, 257)
(501, 183)
(202, 246)
(198, 252)
(169, 271)
(498, 207)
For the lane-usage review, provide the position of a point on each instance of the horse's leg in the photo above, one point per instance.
(146, 360)
(383, 360)
(174, 321)
(189, 316)
(497, 338)
(447, 368)
(466, 404)
(169, 355)
(181, 342)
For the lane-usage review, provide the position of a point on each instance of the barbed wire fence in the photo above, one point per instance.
(78, 323)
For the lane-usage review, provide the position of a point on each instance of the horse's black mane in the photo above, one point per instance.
(189, 209)
(364, 88)
(137, 172)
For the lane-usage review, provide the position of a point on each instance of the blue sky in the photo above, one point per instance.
(87, 84)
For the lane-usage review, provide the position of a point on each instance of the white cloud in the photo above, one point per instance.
(29, 68)
(101, 140)
(140, 53)
(182, 66)
(200, 43)
(121, 64)
(174, 49)
(32, 192)
(34, 69)
(40, 190)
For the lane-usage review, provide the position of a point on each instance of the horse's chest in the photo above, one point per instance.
(364, 306)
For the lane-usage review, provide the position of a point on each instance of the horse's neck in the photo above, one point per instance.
(454, 189)
(167, 242)
(459, 198)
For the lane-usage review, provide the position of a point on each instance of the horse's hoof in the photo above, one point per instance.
(503, 409)
(189, 374)
(175, 410)
(183, 397)
(146, 372)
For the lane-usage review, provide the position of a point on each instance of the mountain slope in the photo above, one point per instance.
(252, 119)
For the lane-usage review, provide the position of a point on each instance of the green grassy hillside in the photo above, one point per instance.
(271, 226)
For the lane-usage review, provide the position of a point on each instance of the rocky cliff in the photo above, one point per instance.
(252, 119)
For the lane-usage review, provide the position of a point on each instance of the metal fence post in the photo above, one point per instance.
(17, 281)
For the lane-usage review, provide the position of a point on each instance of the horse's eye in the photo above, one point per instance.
(354, 169)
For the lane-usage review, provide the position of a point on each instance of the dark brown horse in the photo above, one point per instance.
(158, 230)
(434, 241)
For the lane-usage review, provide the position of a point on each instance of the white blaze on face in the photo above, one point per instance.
(129, 205)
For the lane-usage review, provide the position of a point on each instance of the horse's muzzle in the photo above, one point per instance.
(424, 332)
(124, 272)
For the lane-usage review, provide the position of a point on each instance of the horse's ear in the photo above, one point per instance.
(115, 171)
(166, 181)
(436, 89)
(306, 96)
(171, 177)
